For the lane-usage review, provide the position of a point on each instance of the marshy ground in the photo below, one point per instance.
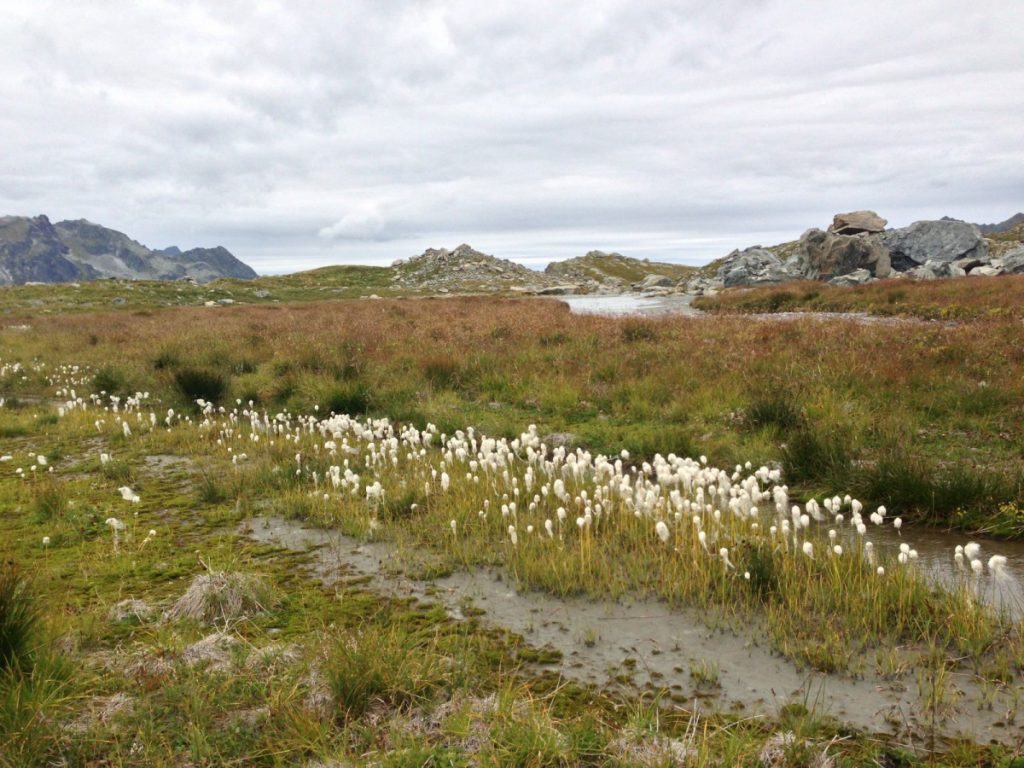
(293, 588)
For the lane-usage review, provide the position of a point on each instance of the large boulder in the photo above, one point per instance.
(1013, 262)
(857, 222)
(945, 241)
(754, 266)
(825, 255)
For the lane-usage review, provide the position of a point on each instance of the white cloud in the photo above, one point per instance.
(298, 133)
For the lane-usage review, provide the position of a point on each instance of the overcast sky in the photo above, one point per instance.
(299, 134)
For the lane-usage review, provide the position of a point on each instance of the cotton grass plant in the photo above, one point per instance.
(569, 522)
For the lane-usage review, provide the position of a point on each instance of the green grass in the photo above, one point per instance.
(357, 675)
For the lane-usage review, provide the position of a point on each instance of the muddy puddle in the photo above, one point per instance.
(643, 644)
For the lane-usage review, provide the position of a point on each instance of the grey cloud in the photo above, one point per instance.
(301, 133)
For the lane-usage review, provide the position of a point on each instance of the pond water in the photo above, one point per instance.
(632, 304)
(642, 644)
(935, 549)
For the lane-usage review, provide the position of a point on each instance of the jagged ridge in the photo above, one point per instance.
(36, 250)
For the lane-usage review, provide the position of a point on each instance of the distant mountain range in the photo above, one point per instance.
(1003, 226)
(34, 250)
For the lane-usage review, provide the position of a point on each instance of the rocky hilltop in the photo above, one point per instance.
(36, 250)
(600, 272)
(857, 248)
(465, 270)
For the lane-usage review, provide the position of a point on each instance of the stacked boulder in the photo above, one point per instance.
(857, 248)
(851, 250)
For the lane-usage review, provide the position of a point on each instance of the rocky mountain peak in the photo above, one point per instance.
(32, 249)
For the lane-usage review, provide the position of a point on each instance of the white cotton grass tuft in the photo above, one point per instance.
(128, 494)
(662, 530)
(808, 549)
(997, 567)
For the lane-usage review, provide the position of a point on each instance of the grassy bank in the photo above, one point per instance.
(174, 640)
(926, 419)
(977, 298)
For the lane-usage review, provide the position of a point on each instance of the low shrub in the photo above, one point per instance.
(199, 383)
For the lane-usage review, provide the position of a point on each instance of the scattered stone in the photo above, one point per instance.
(118, 300)
(225, 302)
(262, 294)
(856, 222)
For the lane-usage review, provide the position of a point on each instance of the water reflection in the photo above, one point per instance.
(631, 304)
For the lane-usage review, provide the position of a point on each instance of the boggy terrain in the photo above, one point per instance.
(156, 609)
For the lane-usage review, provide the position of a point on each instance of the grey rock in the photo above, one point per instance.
(921, 273)
(261, 294)
(118, 300)
(557, 290)
(986, 270)
(857, 277)
(1013, 261)
(656, 281)
(825, 255)
(754, 266)
(967, 264)
(857, 222)
(944, 240)
(225, 302)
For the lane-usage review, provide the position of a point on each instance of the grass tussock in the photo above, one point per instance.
(221, 597)
(19, 619)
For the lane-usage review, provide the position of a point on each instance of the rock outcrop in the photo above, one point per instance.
(600, 272)
(755, 266)
(465, 269)
(945, 240)
(34, 250)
